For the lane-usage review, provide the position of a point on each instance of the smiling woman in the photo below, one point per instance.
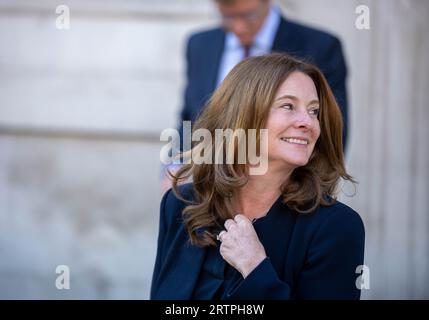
(304, 244)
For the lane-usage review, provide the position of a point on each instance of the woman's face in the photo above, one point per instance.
(293, 125)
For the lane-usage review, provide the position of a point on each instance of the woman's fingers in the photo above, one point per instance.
(219, 236)
(241, 218)
(229, 223)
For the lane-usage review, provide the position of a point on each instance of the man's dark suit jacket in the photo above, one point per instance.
(311, 256)
(204, 51)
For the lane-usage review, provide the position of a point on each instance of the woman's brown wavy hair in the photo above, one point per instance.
(243, 100)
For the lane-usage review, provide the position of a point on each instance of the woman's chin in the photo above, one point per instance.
(289, 163)
(296, 162)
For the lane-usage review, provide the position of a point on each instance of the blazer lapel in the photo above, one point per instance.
(213, 56)
(275, 233)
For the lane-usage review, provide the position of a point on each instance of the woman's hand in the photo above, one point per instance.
(240, 245)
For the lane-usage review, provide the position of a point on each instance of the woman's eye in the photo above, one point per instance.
(287, 106)
(314, 112)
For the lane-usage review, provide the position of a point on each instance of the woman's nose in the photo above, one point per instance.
(303, 119)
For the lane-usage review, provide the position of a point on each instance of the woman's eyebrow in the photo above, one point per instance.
(288, 96)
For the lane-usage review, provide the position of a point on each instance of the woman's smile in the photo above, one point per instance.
(297, 141)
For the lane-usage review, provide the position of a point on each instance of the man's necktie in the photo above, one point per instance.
(246, 51)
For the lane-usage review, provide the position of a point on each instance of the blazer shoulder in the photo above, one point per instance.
(312, 35)
(339, 216)
(204, 36)
(172, 206)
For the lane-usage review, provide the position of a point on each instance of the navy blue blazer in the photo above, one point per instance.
(315, 256)
(204, 52)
